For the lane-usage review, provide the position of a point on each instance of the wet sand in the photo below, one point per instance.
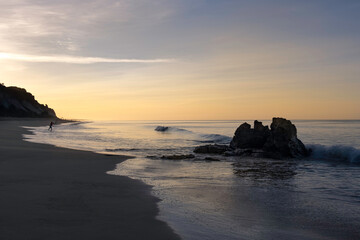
(55, 193)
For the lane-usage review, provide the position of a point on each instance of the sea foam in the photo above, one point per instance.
(336, 152)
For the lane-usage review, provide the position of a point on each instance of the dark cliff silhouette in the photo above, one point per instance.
(17, 102)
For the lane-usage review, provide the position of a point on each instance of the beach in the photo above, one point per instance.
(56, 193)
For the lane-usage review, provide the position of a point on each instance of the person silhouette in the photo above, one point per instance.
(50, 126)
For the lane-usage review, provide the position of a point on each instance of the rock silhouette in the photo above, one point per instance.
(212, 149)
(247, 137)
(161, 128)
(278, 141)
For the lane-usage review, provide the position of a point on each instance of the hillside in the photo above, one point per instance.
(17, 102)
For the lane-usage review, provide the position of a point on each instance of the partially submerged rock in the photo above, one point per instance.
(161, 128)
(212, 149)
(247, 137)
(178, 157)
(280, 141)
(283, 139)
(211, 159)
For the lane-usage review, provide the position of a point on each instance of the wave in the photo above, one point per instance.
(336, 152)
(74, 125)
(215, 138)
(174, 129)
(204, 138)
(180, 129)
(78, 123)
(161, 128)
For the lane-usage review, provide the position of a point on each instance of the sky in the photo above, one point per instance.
(185, 59)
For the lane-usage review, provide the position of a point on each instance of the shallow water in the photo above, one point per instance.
(315, 198)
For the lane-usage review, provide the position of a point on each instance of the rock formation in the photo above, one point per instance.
(283, 139)
(161, 128)
(17, 102)
(280, 141)
(212, 149)
(178, 157)
(247, 137)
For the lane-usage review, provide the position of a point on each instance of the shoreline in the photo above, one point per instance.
(58, 193)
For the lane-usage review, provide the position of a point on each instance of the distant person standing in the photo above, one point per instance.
(50, 126)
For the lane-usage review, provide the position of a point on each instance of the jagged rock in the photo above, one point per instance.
(246, 137)
(211, 149)
(178, 157)
(17, 102)
(258, 127)
(279, 142)
(161, 128)
(283, 139)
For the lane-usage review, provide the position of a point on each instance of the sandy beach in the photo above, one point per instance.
(55, 193)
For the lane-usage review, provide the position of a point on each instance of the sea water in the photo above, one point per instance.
(234, 198)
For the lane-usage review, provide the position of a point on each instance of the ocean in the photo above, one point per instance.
(235, 198)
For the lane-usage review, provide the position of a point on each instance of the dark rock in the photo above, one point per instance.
(245, 137)
(178, 157)
(212, 159)
(161, 128)
(258, 127)
(211, 149)
(279, 142)
(283, 139)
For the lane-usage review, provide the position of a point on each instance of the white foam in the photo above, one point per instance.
(336, 152)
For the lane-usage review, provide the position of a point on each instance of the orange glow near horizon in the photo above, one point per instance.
(217, 101)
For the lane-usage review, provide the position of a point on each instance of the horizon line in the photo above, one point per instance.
(325, 119)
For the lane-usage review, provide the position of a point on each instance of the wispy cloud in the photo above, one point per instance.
(71, 27)
(76, 59)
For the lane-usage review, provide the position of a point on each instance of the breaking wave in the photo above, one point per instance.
(336, 152)
(173, 129)
(215, 138)
(203, 138)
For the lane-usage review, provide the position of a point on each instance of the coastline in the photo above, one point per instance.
(56, 193)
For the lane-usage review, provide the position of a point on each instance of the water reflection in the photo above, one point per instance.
(265, 169)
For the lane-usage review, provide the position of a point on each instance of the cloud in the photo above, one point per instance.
(76, 59)
(75, 27)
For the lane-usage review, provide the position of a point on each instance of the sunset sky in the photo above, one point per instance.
(185, 59)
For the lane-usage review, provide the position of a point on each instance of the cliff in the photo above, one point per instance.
(17, 102)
